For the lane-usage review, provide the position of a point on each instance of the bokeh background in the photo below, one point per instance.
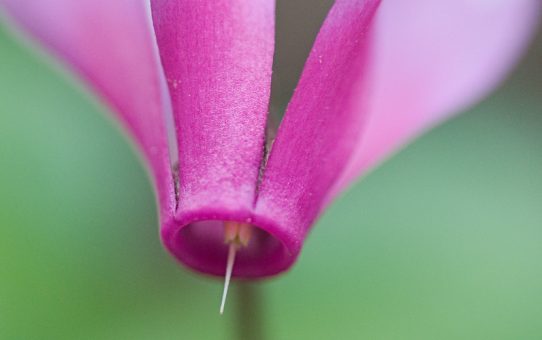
(442, 242)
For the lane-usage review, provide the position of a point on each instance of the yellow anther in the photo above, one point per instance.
(237, 233)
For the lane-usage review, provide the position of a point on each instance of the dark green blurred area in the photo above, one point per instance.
(442, 242)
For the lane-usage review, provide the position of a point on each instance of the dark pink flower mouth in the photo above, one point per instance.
(190, 81)
(200, 244)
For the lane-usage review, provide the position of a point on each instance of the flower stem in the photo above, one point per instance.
(250, 318)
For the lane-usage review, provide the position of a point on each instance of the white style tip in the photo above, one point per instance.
(229, 268)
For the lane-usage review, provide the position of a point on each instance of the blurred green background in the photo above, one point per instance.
(442, 242)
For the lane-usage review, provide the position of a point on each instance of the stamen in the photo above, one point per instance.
(236, 235)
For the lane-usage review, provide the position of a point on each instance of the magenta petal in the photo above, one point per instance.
(110, 44)
(433, 59)
(322, 122)
(217, 58)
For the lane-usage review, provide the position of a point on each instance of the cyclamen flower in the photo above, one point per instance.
(378, 75)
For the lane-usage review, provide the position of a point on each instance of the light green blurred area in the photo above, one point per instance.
(442, 242)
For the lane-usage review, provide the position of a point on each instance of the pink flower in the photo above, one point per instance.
(377, 76)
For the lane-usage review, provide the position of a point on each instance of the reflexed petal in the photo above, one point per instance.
(322, 122)
(110, 44)
(217, 58)
(433, 59)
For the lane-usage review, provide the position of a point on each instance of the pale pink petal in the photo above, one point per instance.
(433, 59)
(110, 44)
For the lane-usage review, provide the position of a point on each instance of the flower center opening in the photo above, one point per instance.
(204, 246)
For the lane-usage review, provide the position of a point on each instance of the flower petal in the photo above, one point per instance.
(433, 59)
(322, 122)
(218, 60)
(110, 44)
